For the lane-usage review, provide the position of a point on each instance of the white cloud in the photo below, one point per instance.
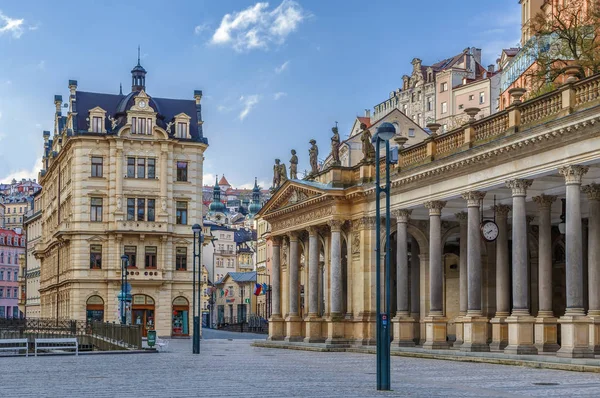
(282, 67)
(278, 95)
(248, 102)
(208, 178)
(27, 174)
(201, 28)
(223, 108)
(257, 28)
(11, 25)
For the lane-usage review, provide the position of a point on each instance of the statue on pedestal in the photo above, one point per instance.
(294, 166)
(335, 146)
(279, 174)
(313, 154)
(368, 149)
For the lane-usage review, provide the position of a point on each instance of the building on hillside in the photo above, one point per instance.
(14, 209)
(31, 281)
(428, 95)
(121, 177)
(12, 247)
(518, 201)
(235, 297)
(23, 187)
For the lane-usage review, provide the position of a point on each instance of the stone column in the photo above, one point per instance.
(335, 323)
(475, 325)
(520, 323)
(545, 322)
(435, 322)
(403, 324)
(276, 321)
(463, 281)
(415, 281)
(293, 320)
(593, 192)
(313, 320)
(574, 324)
(499, 325)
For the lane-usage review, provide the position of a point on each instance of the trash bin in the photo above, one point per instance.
(151, 338)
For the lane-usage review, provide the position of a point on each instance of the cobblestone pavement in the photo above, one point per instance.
(235, 369)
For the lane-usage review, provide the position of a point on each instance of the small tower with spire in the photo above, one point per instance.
(255, 205)
(138, 76)
(216, 205)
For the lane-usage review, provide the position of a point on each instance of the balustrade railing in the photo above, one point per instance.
(491, 127)
(541, 107)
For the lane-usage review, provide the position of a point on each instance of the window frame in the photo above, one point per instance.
(131, 216)
(444, 107)
(181, 258)
(131, 167)
(96, 209)
(181, 213)
(150, 258)
(181, 173)
(151, 210)
(95, 256)
(97, 169)
(131, 253)
(97, 124)
(140, 214)
(151, 165)
(140, 167)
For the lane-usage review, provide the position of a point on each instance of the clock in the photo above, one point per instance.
(142, 104)
(489, 230)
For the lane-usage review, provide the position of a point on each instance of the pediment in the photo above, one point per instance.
(291, 194)
(96, 238)
(182, 242)
(97, 109)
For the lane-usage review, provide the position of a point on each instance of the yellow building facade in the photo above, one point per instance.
(122, 177)
(494, 246)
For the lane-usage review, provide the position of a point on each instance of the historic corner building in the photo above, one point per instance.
(122, 176)
(495, 240)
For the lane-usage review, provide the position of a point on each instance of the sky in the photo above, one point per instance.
(274, 74)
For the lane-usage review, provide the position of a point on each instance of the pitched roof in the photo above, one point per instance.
(239, 277)
(223, 181)
(365, 120)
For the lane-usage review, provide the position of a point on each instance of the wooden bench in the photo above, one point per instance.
(57, 344)
(14, 345)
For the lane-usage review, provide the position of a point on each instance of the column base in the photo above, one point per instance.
(499, 333)
(312, 330)
(546, 329)
(404, 327)
(365, 327)
(293, 328)
(520, 335)
(595, 334)
(575, 336)
(436, 331)
(475, 330)
(458, 322)
(276, 329)
(335, 327)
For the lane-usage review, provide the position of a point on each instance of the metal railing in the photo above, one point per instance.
(128, 336)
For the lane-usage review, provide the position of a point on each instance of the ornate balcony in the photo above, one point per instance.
(141, 226)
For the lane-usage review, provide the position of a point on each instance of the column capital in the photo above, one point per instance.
(277, 240)
(293, 236)
(544, 201)
(402, 215)
(435, 207)
(519, 186)
(502, 210)
(462, 217)
(335, 225)
(573, 173)
(473, 198)
(364, 223)
(592, 190)
(313, 230)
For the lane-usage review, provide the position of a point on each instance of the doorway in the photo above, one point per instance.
(143, 313)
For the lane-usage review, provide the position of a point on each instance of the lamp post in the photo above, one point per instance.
(384, 133)
(198, 238)
(124, 264)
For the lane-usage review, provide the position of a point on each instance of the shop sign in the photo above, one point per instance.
(247, 300)
(229, 300)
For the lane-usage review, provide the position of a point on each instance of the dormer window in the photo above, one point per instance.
(182, 126)
(96, 120)
(96, 124)
(182, 130)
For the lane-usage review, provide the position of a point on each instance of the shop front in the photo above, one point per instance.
(143, 312)
(180, 321)
(94, 309)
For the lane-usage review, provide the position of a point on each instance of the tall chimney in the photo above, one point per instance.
(368, 113)
(491, 68)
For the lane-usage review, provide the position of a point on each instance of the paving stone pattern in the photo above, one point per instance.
(235, 369)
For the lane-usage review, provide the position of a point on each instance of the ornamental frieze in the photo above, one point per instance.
(302, 219)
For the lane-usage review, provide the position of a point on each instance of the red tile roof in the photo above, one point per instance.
(223, 181)
(365, 120)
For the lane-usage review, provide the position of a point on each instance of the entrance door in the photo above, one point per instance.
(143, 313)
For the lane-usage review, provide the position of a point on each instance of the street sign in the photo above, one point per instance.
(247, 300)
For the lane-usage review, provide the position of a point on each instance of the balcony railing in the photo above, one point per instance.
(224, 251)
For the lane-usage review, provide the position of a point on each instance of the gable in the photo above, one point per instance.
(290, 195)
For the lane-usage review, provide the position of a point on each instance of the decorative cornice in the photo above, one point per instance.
(573, 173)
(401, 215)
(473, 198)
(592, 190)
(435, 207)
(502, 210)
(519, 186)
(544, 201)
(295, 222)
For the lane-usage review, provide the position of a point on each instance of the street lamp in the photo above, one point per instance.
(199, 238)
(384, 133)
(124, 264)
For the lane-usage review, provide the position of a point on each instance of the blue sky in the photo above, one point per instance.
(274, 75)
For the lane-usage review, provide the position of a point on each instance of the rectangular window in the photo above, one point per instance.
(130, 252)
(471, 97)
(181, 259)
(411, 132)
(182, 130)
(141, 168)
(151, 206)
(481, 97)
(151, 257)
(97, 124)
(1, 294)
(1, 275)
(130, 167)
(444, 87)
(97, 166)
(182, 174)
(16, 275)
(181, 213)
(96, 257)
(151, 168)
(134, 125)
(141, 209)
(444, 107)
(429, 103)
(96, 209)
(130, 209)
(142, 129)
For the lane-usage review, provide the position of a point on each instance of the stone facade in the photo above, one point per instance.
(453, 280)
(31, 280)
(12, 248)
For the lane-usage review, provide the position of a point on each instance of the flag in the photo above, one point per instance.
(257, 289)
(264, 288)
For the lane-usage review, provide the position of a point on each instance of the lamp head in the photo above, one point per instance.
(385, 132)
(124, 258)
(196, 228)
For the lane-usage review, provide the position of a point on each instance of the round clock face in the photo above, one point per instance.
(489, 230)
(142, 104)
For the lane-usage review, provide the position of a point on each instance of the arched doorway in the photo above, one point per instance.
(180, 319)
(94, 309)
(143, 312)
